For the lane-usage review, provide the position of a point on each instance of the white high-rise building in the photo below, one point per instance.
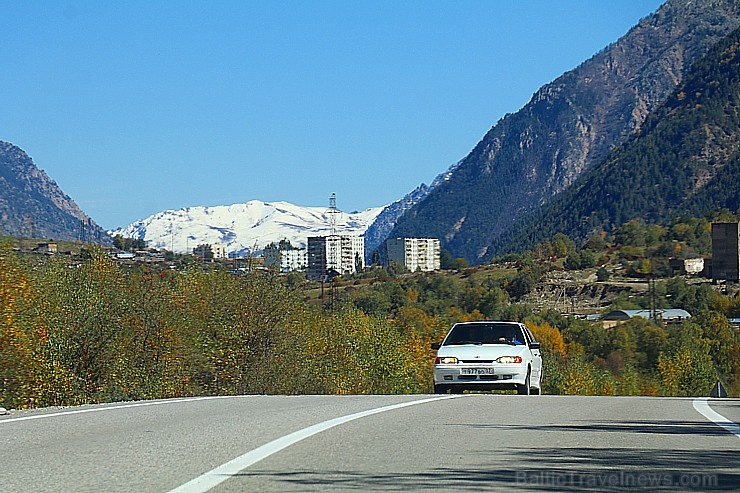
(285, 259)
(416, 254)
(335, 255)
(293, 260)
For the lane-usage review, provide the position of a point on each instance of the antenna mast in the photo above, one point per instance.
(331, 243)
(333, 213)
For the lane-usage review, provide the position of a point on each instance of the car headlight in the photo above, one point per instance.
(445, 360)
(509, 359)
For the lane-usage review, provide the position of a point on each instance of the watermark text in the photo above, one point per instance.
(621, 479)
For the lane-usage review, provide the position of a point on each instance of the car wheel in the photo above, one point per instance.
(524, 389)
(456, 389)
(440, 389)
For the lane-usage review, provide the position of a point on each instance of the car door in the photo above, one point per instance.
(534, 349)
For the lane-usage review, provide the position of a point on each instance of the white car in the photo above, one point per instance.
(488, 355)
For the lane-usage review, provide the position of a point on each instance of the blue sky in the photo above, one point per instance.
(137, 107)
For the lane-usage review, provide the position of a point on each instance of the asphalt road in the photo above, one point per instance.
(374, 443)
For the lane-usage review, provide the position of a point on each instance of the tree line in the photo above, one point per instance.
(73, 333)
(94, 330)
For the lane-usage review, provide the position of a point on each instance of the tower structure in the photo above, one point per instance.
(333, 212)
(332, 244)
(334, 254)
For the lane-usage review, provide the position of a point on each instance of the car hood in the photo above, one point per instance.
(484, 351)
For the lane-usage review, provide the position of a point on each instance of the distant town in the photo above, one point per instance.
(330, 256)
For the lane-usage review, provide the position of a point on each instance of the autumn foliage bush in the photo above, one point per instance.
(95, 332)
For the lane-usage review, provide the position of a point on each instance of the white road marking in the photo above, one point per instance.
(109, 408)
(702, 406)
(216, 476)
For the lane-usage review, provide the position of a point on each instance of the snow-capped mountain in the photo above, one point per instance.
(243, 229)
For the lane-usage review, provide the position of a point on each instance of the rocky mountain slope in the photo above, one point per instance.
(33, 205)
(379, 230)
(243, 229)
(568, 127)
(685, 159)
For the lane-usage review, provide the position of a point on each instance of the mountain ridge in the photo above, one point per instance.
(685, 160)
(33, 205)
(244, 229)
(567, 127)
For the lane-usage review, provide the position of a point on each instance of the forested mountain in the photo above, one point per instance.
(568, 127)
(685, 159)
(33, 205)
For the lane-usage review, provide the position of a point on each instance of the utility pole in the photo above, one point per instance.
(652, 291)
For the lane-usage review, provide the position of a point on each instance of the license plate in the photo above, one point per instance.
(476, 371)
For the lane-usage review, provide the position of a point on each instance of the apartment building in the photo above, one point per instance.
(214, 251)
(335, 255)
(416, 254)
(285, 259)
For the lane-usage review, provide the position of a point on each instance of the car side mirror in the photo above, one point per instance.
(534, 345)
(436, 345)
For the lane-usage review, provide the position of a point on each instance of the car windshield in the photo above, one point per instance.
(484, 334)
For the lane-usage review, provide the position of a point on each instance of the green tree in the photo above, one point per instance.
(458, 264)
(20, 337)
(573, 261)
(376, 257)
(686, 368)
(562, 245)
(445, 259)
(85, 310)
(632, 233)
(130, 244)
(522, 284)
